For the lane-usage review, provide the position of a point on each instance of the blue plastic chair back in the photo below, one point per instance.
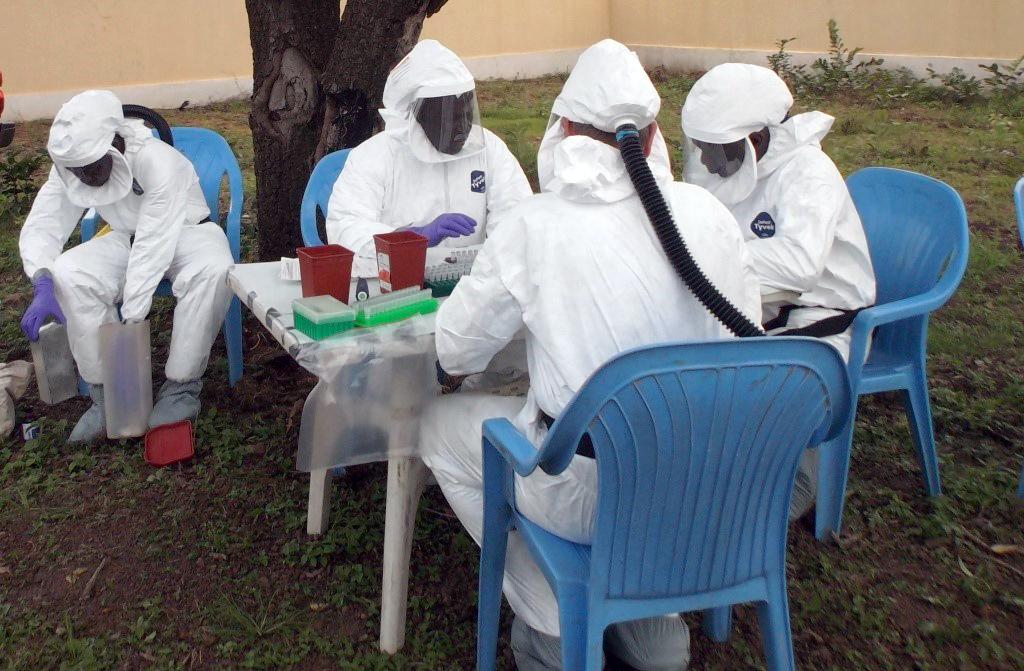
(214, 162)
(318, 194)
(916, 229)
(917, 235)
(1018, 200)
(697, 447)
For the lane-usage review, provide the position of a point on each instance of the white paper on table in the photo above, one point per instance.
(290, 269)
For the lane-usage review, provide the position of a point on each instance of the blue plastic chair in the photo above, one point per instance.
(213, 160)
(1018, 199)
(697, 446)
(318, 194)
(916, 229)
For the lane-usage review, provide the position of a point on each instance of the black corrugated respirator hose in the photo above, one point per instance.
(628, 138)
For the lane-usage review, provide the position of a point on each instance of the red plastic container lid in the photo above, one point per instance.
(324, 252)
(169, 444)
(402, 238)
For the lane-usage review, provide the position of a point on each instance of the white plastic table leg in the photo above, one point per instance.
(319, 501)
(406, 481)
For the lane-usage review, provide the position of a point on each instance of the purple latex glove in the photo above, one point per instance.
(44, 305)
(448, 225)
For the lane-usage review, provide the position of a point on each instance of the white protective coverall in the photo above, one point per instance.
(803, 231)
(580, 267)
(154, 195)
(397, 179)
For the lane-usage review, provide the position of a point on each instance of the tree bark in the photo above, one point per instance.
(318, 78)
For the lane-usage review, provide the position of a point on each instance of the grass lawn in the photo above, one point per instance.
(208, 565)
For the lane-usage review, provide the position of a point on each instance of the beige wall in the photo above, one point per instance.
(129, 42)
(52, 45)
(491, 27)
(162, 52)
(991, 29)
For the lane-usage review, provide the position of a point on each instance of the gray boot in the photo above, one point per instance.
(533, 650)
(653, 644)
(176, 402)
(805, 488)
(92, 425)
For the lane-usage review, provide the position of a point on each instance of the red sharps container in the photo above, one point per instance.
(401, 260)
(326, 271)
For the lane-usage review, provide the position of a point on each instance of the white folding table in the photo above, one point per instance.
(373, 384)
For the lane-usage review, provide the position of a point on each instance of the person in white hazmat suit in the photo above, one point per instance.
(580, 267)
(433, 170)
(802, 229)
(149, 195)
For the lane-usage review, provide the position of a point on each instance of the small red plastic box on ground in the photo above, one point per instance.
(326, 271)
(401, 260)
(169, 444)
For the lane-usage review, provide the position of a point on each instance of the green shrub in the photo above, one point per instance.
(841, 70)
(1007, 79)
(18, 181)
(956, 85)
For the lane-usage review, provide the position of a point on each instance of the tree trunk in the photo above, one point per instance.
(318, 78)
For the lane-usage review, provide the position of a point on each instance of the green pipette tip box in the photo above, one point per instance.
(423, 307)
(440, 288)
(395, 306)
(321, 317)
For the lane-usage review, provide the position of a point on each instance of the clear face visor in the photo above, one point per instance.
(447, 127)
(100, 183)
(729, 171)
(724, 160)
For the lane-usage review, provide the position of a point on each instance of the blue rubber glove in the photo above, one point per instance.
(448, 225)
(44, 305)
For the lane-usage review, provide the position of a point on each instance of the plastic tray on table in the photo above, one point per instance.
(395, 306)
(321, 317)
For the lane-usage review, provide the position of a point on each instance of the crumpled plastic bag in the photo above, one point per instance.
(14, 380)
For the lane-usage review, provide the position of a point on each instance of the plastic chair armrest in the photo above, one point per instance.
(915, 306)
(512, 446)
(233, 225)
(878, 315)
(307, 224)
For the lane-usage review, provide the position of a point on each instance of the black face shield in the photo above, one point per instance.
(97, 173)
(447, 120)
(723, 160)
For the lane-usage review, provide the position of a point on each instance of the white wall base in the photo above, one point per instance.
(524, 65)
(29, 106)
(700, 59)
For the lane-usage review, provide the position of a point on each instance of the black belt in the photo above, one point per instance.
(823, 328)
(585, 447)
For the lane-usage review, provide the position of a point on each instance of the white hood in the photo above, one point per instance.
(430, 70)
(726, 105)
(799, 131)
(607, 88)
(82, 133)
